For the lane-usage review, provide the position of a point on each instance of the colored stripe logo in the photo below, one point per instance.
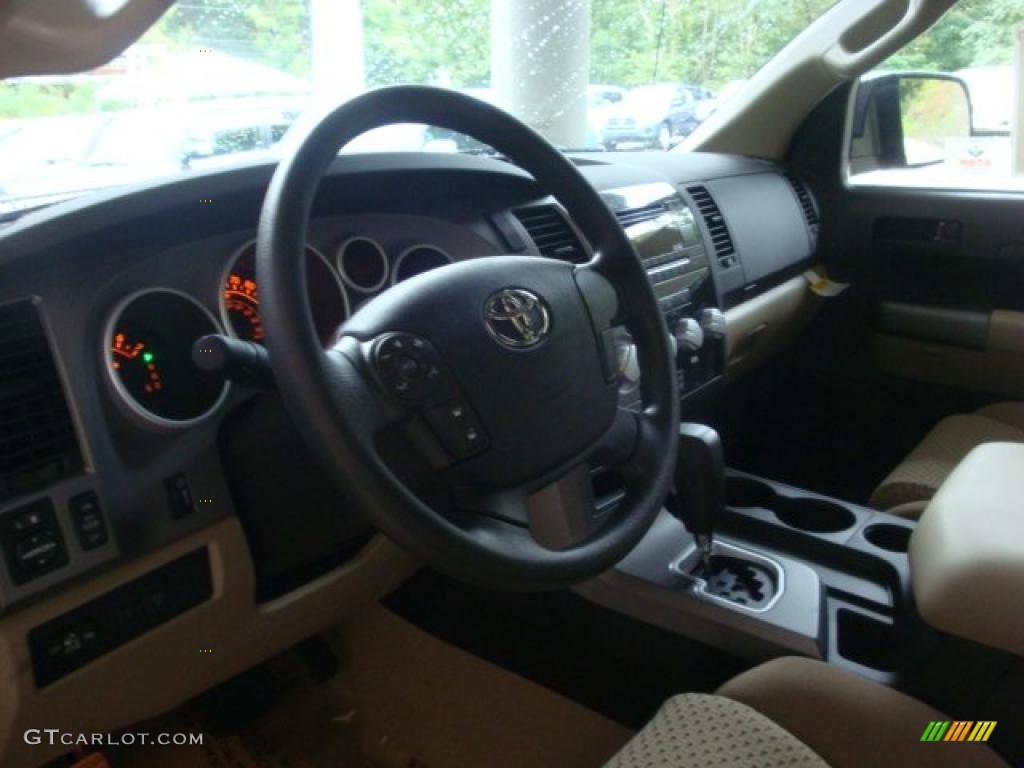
(959, 730)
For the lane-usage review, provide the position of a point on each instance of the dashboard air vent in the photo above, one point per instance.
(810, 214)
(721, 240)
(552, 233)
(631, 216)
(37, 438)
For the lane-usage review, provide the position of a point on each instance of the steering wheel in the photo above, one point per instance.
(499, 371)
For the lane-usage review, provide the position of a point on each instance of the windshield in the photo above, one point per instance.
(217, 82)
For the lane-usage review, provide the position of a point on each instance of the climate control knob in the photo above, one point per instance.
(689, 336)
(712, 321)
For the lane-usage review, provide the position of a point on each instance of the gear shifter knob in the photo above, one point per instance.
(699, 484)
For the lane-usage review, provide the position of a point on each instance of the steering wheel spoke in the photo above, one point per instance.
(618, 445)
(356, 395)
(508, 505)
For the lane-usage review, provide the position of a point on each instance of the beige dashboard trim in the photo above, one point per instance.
(1006, 331)
(967, 550)
(164, 667)
(766, 324)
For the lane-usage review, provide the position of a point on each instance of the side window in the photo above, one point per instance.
(941, 112)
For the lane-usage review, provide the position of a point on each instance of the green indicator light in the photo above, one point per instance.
(147, 357)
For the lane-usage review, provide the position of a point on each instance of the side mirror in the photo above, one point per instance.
(905, 120)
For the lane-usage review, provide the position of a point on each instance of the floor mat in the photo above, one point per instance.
(403, 699)
(611, 663)
(303, 731)
(420, 702)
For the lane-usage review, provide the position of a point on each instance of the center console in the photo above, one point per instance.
(790, 572)
(668, 240)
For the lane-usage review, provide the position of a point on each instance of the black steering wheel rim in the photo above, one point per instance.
(331, 395)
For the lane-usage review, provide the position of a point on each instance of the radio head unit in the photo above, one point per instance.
(665, 234)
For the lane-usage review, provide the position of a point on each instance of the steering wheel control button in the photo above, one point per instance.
(87, 518)
(408, 366)
(458, 429)
(32, 541)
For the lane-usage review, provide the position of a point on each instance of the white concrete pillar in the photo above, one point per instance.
(339, 69)
(540, 65)
(1017, 118)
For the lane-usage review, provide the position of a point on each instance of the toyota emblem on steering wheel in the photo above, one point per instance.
(516, 318)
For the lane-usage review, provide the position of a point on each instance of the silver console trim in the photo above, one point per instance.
(683, 565)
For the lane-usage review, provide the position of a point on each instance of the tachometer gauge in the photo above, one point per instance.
(240, 301)
(148, 356)
(135, 363)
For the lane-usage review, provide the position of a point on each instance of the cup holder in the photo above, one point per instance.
(745, 492)
(891, 538)
(804, 513)
(814, 515)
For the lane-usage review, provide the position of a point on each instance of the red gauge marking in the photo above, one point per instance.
(131, 352)
(241, 299)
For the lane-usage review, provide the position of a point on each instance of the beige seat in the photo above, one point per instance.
(797, 713)
(909, 487)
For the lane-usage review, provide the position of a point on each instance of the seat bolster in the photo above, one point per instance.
(851, 722)
(1008, 413)
(920, 474)
(696, 730)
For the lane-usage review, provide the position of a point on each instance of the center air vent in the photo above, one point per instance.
(37, 438)
(721, 240)
(552, 233)
(631, 216)
(806, 204)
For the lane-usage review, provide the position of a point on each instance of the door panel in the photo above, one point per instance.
(945, 271)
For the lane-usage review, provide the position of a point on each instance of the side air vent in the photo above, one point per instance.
(810, 214)
(631, 216)
(552, 233)
(721, 240)
(37, 438)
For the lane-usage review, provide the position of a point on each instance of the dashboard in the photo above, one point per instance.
(116, 451)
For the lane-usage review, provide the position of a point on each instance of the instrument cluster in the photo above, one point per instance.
(149, 334)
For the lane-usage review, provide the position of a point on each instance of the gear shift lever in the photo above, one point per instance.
(699, 485)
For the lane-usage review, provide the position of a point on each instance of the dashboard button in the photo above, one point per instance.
(27, 520)
(32, 541)
(180, 496)
(34, 552)
(87, 518)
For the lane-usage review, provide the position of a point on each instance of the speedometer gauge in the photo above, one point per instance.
(240, 301)
(243, 307)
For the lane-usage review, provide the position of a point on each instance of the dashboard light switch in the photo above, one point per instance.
(180, 496)
(87, 517)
